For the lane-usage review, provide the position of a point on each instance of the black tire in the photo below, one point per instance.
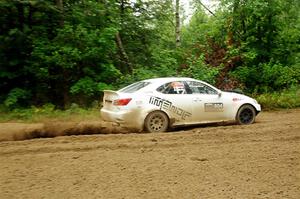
(156, 121)
(246, 115)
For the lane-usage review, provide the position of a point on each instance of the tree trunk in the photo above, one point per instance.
(177, 29)
(60, 6)
(29, 18)
(123, 53)
(65, 82)
(20, 8)
(66, 88)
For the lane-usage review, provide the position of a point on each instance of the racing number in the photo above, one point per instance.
(213, 107)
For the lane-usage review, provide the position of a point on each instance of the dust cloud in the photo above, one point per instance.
(21, 131)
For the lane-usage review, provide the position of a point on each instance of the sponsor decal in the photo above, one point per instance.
(168, 106)
(213, 107)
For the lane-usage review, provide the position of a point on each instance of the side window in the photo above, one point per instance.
(199, 88)
(175, 87)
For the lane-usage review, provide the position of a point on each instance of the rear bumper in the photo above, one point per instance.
(131, 119)
(111, 116)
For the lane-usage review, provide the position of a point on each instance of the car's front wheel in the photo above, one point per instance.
(156, 121)
(246, 115)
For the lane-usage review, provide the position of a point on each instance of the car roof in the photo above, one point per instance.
(169, 79)
(156, 82)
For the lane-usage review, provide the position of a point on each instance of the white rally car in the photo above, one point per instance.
(158, 104)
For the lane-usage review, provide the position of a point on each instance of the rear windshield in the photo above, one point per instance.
(134, 87)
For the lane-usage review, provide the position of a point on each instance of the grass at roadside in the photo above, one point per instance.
(49, 113)
(289, 98)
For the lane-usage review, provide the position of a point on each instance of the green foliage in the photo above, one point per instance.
(15, 97)
(201, 26)
(48, 112)
(288, 98)
(166, 62)
(76, 64)
(64, 55)
(88, 87)
(199, 70)
(83, 46)
(266, 35)
(137, 75)
(268, 77)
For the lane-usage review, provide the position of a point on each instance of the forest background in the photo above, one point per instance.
(61, 54)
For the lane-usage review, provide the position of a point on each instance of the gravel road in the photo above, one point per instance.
(261, 160)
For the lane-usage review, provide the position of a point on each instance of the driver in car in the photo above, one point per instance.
(176, 88)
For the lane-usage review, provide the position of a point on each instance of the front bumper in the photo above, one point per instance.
(258, 108)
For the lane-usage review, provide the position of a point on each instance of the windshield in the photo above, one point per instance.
(134, 87)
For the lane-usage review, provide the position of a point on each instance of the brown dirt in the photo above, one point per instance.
(256, 161)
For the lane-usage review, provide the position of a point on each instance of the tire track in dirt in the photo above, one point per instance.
(196, 136)
(84, 148)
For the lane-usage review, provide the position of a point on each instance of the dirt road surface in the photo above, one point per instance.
(255, 161)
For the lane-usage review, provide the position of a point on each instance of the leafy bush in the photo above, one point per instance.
(137, 75)
(268, 77)
(15, 96)
(80, 67)
(288, 98)
(199, 70)
(88, 86)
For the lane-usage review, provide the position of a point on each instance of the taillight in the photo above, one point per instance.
(121, 102)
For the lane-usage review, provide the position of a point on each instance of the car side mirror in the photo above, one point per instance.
(219, 94)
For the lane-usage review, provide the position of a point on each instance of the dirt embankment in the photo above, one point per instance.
(256, 161)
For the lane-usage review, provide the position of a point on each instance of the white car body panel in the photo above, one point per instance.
(182, 109)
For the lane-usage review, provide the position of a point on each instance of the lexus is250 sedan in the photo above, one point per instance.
(155, 105)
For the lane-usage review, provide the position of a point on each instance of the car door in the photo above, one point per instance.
(175, 101)
(208, 104)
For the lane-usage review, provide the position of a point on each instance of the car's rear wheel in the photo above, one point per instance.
(156, 121)
(246, 115)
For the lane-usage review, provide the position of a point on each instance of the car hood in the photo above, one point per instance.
(237, 96)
